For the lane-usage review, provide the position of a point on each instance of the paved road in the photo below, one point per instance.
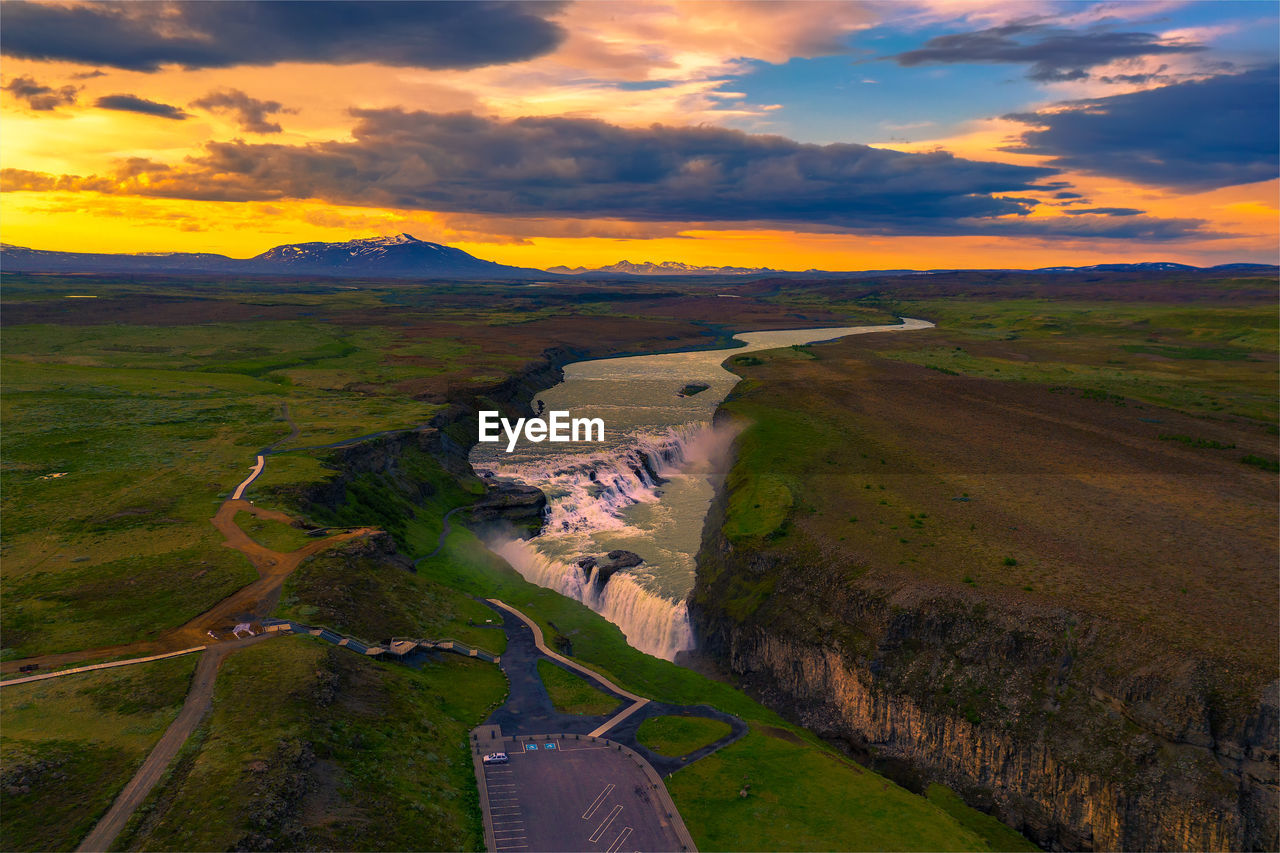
(528, 709)
(193, 710)
(583, 794)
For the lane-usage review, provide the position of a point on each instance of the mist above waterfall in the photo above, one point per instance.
(592, 507)
(645, 488)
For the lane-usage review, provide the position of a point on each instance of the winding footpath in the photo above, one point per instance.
(252, 603)
(444, 534)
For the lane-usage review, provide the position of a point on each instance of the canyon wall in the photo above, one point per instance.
(1065, 728)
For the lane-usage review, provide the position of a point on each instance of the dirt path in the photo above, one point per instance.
(199, 698)
(251, 603)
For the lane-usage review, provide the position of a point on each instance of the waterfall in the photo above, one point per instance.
(586, 494)
(651, 623)
(586, 491)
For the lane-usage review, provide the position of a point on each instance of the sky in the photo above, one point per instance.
(813, 134)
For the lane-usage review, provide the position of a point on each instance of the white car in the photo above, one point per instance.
(496, 758)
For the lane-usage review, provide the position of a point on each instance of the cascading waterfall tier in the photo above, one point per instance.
(588, 494)
(651, 623)
(646, 488)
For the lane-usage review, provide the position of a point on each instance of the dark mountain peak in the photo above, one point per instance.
(399, 256)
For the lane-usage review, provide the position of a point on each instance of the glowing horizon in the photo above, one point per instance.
(715, 134)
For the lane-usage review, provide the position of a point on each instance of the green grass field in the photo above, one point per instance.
(802, 798)
(783, 762)
(679, 736)
(275, 535)
(317, 748)
(1209, 359)
(570, 694)
(69, 745)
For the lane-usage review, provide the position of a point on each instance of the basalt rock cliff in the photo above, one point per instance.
(382, 478)
(1030, 715)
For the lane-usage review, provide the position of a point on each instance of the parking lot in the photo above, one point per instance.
(569, 794)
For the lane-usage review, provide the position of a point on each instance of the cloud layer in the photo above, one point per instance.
(1194, 136)
(134, 104)
(38, 96)
(213, 34)
(590, 170)
(251, 113)
(1053, 54)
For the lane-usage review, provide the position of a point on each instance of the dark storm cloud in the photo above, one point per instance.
(1067, 195)
(1192, 136)
(591, 169)
(218, 34)
(39, 96)
(1104, 211)
(1144, 228)
(1054, 54)
(588, 169)
(251, 113)
(134, 104)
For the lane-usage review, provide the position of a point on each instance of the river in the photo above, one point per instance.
(646, 488)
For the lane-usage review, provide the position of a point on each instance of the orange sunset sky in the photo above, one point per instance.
(1000, 134)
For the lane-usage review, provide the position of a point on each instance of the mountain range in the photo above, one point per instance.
(405, 256)
(401, 256)
(662, 268)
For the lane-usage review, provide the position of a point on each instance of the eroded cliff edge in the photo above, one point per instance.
(1078, 730)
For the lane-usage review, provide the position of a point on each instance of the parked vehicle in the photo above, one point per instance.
(496, 758)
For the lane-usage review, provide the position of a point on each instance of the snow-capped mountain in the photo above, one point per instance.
(662, 268)
(401, 256)
(398, 256)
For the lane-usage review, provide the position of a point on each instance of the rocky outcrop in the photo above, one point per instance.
(513, 504)
(616, 562)
(1065, 728)
(398, 467)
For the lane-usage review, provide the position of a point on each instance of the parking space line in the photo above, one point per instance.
(618, 842)
(597, 802)
(595, 836)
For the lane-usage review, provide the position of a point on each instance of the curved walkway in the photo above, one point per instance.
(529, 711)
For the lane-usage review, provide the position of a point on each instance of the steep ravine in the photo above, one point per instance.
(1029, 715)
(393, 464)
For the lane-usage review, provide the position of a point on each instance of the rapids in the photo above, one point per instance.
(646, 488)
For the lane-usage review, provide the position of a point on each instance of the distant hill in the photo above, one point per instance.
(1159, 266)
(402, 256)
(405, 256)
(662, 268)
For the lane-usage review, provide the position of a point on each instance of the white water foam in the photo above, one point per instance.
(601, 500)
(586, 494)
(651, 623)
